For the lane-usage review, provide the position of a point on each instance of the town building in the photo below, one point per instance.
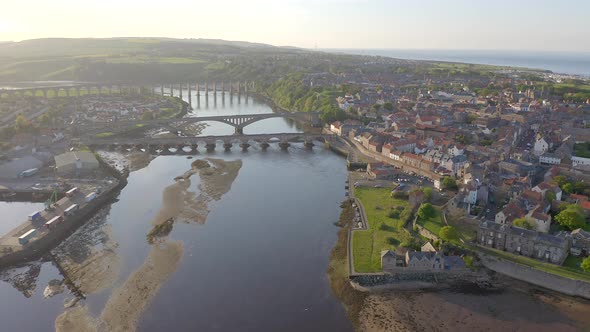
(428, 259)
(75, 162)
(520, 241)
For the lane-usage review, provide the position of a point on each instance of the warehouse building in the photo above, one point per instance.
(75, 162)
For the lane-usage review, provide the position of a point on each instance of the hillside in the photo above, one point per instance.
(132, 59)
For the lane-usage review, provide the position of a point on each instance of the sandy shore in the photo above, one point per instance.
(124, 307)
(126, 304)
(179, 203)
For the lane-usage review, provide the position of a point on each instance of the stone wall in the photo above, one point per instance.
(441, 278)
(536, 277)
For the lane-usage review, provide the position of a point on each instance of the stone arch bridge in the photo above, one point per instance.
(180, 144)
(237, 121)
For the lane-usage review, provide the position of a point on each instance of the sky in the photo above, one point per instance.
(547, 25)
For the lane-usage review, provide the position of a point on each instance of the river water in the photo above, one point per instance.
(256, 261)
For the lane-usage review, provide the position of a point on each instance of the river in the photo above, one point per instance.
(247, 252)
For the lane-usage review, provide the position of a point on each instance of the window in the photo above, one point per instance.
(490, 241)
(499, 236)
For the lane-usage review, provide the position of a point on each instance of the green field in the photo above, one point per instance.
(570, 269)
(582, 150)
(384, 232)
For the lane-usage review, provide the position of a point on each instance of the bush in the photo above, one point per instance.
(523, 223)
(387, 228)
(394, 214)
(449, 183)
(426, 211)
(448, 233)
(393, 241)
(427, 193)
(400, 195)
(586, 264)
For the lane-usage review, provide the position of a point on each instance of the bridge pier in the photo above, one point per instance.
(180, 94)
(210, 147)
(239, 131)
(245, 145)
(227, 146)
(194, 148)
(190, 99)
(264, 146)
(246, 92)
(284, 145)
(308, 144)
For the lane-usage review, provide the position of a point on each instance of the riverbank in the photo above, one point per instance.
(338, 273)
(478, 301)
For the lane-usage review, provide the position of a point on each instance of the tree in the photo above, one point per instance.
(449, 183)
(426, 211)
(427, 193)
(388, 106)
(586, 264)
(551, 196)
(523, 223)
(448, 233)
(21, 123)
(568, 188)
(560, 180)
(572, 217)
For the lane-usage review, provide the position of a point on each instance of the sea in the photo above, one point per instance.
(571, 63)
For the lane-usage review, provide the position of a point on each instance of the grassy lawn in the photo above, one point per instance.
(384, 232)
(466, 227)
(433, 224)
(568, 270)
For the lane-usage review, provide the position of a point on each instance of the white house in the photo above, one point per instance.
(455, 151)
(550, 159)
(542, 221)
(541, 146)
(579, 162)
(470, 192)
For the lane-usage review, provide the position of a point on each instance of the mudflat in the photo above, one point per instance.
(524, 309)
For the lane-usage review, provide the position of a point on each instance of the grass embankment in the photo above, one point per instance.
(568, 270)
(433, 224)
(352, 299)
(386, 218)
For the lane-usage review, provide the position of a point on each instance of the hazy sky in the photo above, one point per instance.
(450, 24)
